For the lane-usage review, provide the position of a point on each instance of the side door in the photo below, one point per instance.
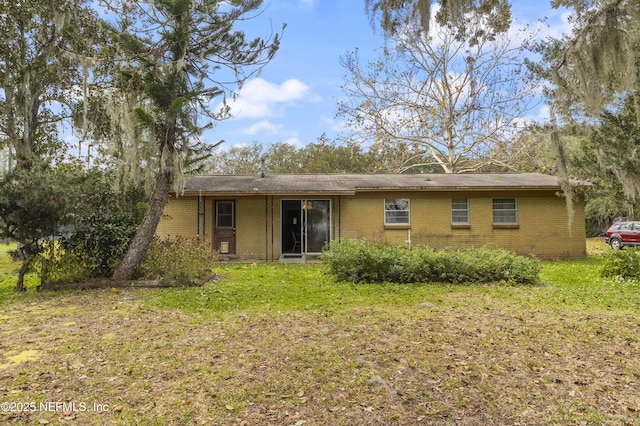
(224, 227)
(626, 233)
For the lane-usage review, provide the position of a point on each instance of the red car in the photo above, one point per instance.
(622, 234)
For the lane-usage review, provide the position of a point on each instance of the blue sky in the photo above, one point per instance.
(294, 99)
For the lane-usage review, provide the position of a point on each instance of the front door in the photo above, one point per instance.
(224, 239)
(306, 226)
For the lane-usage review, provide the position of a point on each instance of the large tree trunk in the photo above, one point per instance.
(21, 273)
(138, 248)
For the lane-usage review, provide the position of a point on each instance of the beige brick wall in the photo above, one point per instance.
(251, 232)
(180, 218)
(542, 223)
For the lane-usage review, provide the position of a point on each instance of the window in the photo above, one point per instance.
(396, 211)
(224, 214)
(505, 211)
(459, 211)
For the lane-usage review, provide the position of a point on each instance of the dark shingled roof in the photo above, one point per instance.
(345, 184)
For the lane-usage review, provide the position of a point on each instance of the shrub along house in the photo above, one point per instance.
(278, 217)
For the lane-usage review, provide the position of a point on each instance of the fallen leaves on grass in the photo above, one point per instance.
(451, 364)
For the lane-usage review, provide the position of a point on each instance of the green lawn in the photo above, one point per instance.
(9, 273)
(290, 288)
(284, 344)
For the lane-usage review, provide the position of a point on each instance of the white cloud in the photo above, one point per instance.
(333, 124)
(261, 90)
(260, 98)
(308, 3)
(263, 127)
(554, 23)
(542, 115)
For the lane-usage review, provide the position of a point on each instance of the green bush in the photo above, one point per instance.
(622, 264)
(364, 261)
(56, 265)
(91, 229)
(92, 249)
(102, 236)
(180, 259)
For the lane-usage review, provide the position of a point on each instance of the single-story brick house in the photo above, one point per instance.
(275, 217)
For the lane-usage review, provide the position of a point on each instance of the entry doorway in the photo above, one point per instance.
(225, 227)
(306, 226)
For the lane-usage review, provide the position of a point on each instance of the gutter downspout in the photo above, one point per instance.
(198, 214)
(266, 228)
(339, 218)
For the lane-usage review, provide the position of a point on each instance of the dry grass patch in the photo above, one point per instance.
(597, 246)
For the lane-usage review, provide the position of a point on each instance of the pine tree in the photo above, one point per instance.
(170, 59)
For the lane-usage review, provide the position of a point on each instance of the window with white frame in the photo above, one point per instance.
(396, 211)
(505, 211)
(460, 211)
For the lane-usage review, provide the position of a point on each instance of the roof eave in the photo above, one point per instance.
(461, 188)
(261, 193)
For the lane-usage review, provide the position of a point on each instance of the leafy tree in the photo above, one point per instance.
(602, 153)
(283, 158)
(530, 151)
(599, 61)
(609, 159)
(237, 160)
(322, 156)
(41, 43)
(173, 57)
(591, 69)
(326, 156)
(616, 144)
(393, 15)
(387, 155)
(455, 99)
(102, 223)
(69, 218)
(33, 206)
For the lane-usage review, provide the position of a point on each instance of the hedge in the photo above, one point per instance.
(365, 261)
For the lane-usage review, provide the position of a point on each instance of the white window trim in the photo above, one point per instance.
(515, 210)
(460, 210)
(407, 223)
